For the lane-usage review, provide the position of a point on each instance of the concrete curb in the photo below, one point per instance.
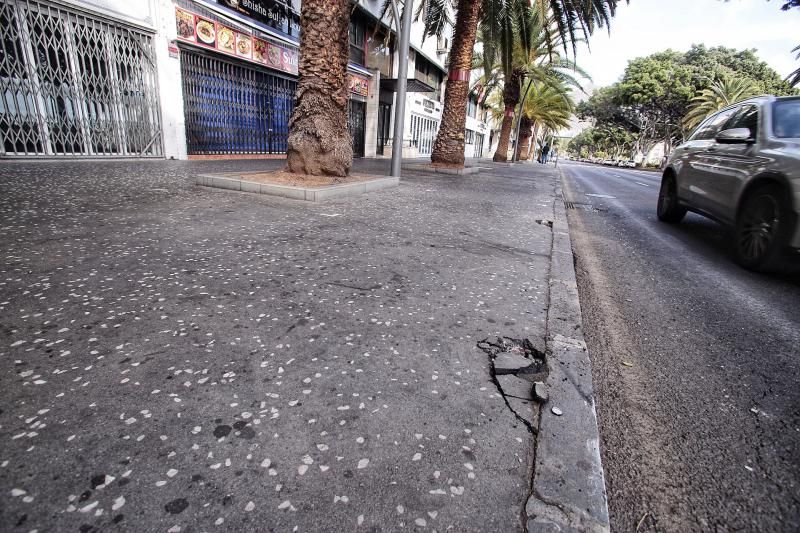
(309, 194)
(568, 490)
(442, 170)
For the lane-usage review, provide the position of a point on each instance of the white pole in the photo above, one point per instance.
(400, 100)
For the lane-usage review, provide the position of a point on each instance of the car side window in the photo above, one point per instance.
(746, 118)
(700, 129)
(712, 126)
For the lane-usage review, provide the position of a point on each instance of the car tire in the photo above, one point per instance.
(763, 227)
(669, 210)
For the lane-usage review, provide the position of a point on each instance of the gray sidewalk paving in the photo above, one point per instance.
(181, 359)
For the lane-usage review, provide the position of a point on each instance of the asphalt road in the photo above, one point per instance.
(695, 364)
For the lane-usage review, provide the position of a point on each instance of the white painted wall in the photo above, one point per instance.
(136, 11)
(173, 121)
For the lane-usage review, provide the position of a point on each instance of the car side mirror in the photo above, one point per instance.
(734, 136)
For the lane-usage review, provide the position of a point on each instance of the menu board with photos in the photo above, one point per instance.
(358, 85)
(201, 31)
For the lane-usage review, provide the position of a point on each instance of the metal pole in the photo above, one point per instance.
(515, 155)
(400, 99)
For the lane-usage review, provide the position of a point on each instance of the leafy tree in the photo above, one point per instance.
(604, 141)
(656, 92)
(716, 62)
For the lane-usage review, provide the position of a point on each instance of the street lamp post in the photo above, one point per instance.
(404, 30)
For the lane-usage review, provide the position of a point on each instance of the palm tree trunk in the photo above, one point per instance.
(532, 151)
(501, 154)
(524, 138)
(319, 142)
(511, 95)
(449, 145)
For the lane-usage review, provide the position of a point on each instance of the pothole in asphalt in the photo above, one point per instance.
(519, 371)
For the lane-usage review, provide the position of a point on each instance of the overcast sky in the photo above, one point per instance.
(648, 26)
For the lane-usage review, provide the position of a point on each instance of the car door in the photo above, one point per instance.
(701, 159)
(732, 164)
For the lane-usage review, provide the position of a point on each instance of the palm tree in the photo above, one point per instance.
(547, 106)
(794, 78)
(448, 147)
(319, 142)
(572, 19)
(522, 42)
(722, 93)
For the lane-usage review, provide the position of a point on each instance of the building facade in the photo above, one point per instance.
(198, 79)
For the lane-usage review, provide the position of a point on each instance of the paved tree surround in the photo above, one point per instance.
(180, 359)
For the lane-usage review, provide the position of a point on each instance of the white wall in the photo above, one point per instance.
(137, 11)
(173, 122)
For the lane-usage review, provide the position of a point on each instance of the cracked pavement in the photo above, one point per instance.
(181, 359)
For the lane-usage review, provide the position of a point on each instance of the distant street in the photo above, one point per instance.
(695, 364)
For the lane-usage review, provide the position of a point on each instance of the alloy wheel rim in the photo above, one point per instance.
(759, 225)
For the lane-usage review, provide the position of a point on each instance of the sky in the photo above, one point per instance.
(647, 26)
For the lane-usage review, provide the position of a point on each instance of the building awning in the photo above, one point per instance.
(413, 86)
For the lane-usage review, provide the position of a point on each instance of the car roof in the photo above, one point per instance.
(760, 99)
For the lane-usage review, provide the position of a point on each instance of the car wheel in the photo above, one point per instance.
(762, 229)
(669, 210)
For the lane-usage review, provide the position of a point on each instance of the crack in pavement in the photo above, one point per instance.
(536, 369)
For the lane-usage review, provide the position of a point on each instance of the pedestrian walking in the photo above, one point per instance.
(545, 152)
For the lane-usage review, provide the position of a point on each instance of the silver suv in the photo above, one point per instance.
(741, 167)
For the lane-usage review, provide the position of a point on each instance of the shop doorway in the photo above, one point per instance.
(73, 84)
(384, 123)
(233, 108)
(356, 124)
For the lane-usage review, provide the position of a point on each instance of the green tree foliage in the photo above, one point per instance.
(656, 92)
(717, 62)
(603, 141)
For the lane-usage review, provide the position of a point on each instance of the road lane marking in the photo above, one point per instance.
(640, 183)
(603, 196)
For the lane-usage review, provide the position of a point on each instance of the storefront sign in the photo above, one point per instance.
(274, 13)
(174, 51)
(358, 85)
(428, 106)
(198, 30)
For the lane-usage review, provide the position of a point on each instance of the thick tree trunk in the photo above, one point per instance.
(524, 138)
(532, 151)
(319, 142)
(501, 154)
(449, 145)
(511, 95)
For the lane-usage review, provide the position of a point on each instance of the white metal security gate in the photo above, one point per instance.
(423, 133)
(75, 84)
(478, 145)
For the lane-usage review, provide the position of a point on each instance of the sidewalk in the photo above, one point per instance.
(181, 359)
